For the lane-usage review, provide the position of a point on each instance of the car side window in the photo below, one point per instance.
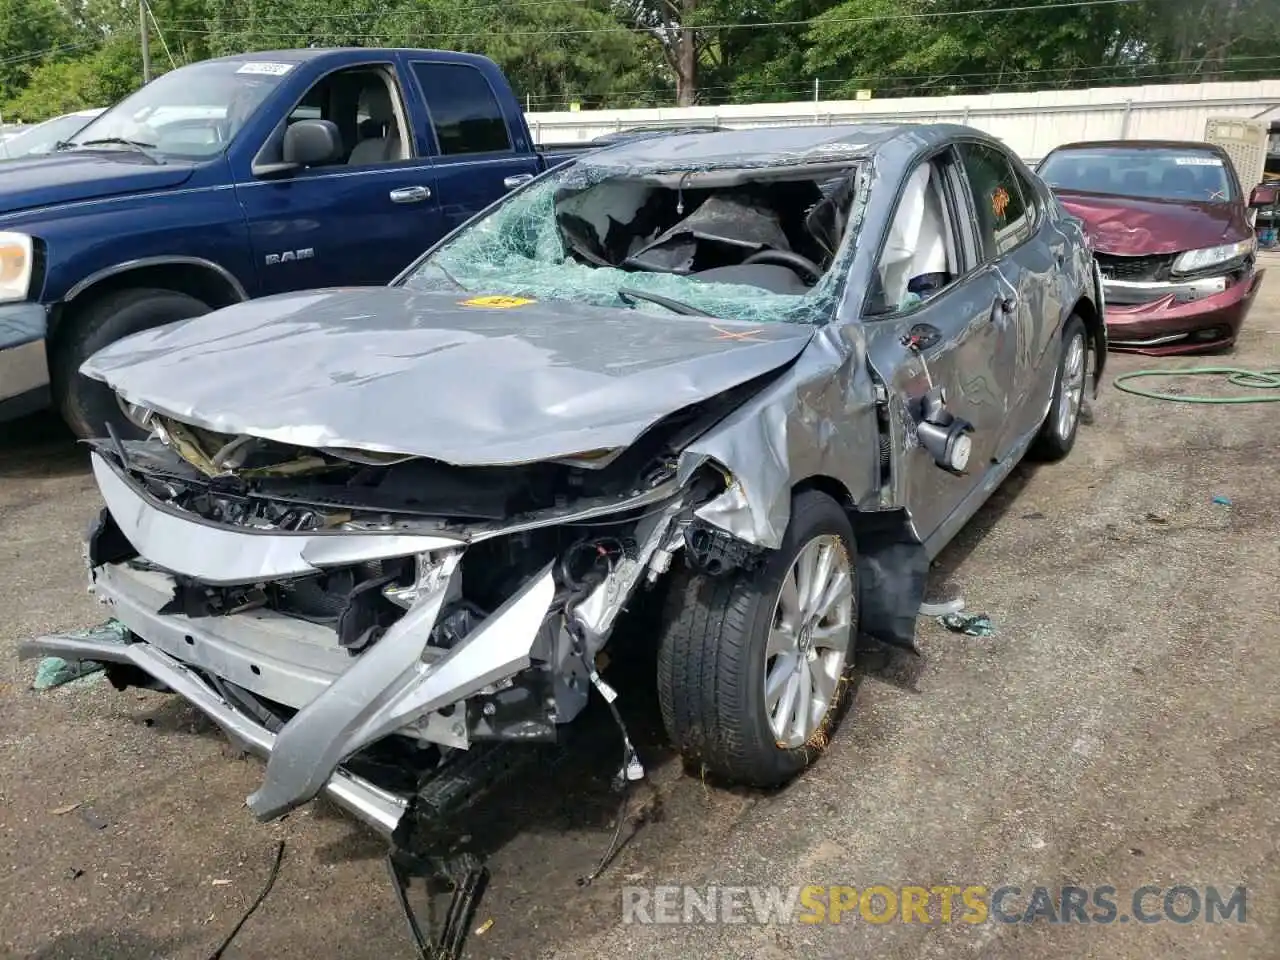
(465, 113)
(921, 256)
(365, 105)
(1004, 219)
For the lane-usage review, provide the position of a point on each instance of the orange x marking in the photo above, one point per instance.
(752, 335)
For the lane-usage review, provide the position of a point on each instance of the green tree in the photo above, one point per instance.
(921, 47)
(109, 74)
(562, 51)
(32, 32)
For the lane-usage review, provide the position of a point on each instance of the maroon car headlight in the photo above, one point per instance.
(1194, 261)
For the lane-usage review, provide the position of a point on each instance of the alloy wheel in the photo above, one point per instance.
(1071, 394)
(809, 640)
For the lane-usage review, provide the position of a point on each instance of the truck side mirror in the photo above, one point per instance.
(1263, 195)
(307, 143)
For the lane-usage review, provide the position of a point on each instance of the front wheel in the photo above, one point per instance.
(753, 668)
(1058, 432)
(88, 405)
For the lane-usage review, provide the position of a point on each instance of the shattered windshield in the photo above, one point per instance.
(765, 244)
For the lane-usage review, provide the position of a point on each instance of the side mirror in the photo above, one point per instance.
(307, 143)
(1264, 195)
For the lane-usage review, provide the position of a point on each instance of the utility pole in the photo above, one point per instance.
(146, 45)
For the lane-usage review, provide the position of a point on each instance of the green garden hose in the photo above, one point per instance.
(1237, 377)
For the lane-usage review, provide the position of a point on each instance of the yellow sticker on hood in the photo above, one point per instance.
(496, 302)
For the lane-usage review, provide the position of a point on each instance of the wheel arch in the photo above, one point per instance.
(829, 485)
(1095, 325)
(867, 524)
(205, 280)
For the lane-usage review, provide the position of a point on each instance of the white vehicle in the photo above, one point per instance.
(43, 137)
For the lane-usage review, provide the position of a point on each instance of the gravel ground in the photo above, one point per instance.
(1119, 728)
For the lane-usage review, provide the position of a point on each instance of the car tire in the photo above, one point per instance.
(88, 405)
(717, 652)
(1058, 432)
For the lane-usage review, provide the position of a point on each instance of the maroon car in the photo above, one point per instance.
(1171, 233)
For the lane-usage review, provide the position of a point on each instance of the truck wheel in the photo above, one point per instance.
(87, 405)
(1058, 432)
(753, 668)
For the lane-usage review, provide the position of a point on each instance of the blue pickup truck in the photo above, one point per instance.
(236, 178)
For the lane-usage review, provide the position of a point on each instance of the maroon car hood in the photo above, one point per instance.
(1127, 226)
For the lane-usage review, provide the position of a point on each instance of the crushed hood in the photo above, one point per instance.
(390, 370)
(1130, 227)
(56, 178)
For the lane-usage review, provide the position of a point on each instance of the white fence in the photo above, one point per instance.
(1030, 123)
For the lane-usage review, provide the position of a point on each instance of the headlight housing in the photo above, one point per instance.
(17, 258)
(1193, 261)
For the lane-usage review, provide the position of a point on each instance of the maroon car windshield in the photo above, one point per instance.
(1178, 174)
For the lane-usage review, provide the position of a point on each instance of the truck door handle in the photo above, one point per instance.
(410, 194)
(517, 180)
(1004, 306)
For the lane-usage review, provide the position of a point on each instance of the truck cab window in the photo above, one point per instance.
(465, 114)
(364, 104)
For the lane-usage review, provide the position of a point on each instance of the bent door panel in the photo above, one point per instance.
(931, 273)
(968, 360)
(1008, 218)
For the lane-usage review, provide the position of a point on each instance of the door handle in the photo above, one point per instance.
(517, 180)
(1004, 307)
(410, 194)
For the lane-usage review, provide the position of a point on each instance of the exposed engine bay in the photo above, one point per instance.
(436, 559)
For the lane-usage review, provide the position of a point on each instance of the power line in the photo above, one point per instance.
(52, 51)
(551, 103)
(765, 25)
(1120, 71)
(463, 8)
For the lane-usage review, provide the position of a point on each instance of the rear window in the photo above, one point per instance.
(1164, 173)
(465, 114)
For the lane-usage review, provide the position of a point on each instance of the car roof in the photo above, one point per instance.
(1139, 145)
(304, 54)
(765, 145)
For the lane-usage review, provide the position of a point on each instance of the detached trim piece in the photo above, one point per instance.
(1130, 292)
(378, 808)
(390, 685)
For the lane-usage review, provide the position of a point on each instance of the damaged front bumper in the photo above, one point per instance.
(379, 808)
(345, 700)
(1171, 318)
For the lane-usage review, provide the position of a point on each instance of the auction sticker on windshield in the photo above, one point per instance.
(265, 68)
(496, 302)
(1197, 161)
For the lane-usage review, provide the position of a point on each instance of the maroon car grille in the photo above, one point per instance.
(1136, 268)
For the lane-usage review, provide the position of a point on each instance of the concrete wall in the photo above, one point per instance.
(1031, 123)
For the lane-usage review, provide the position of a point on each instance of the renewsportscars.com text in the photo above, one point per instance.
(942, 904)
